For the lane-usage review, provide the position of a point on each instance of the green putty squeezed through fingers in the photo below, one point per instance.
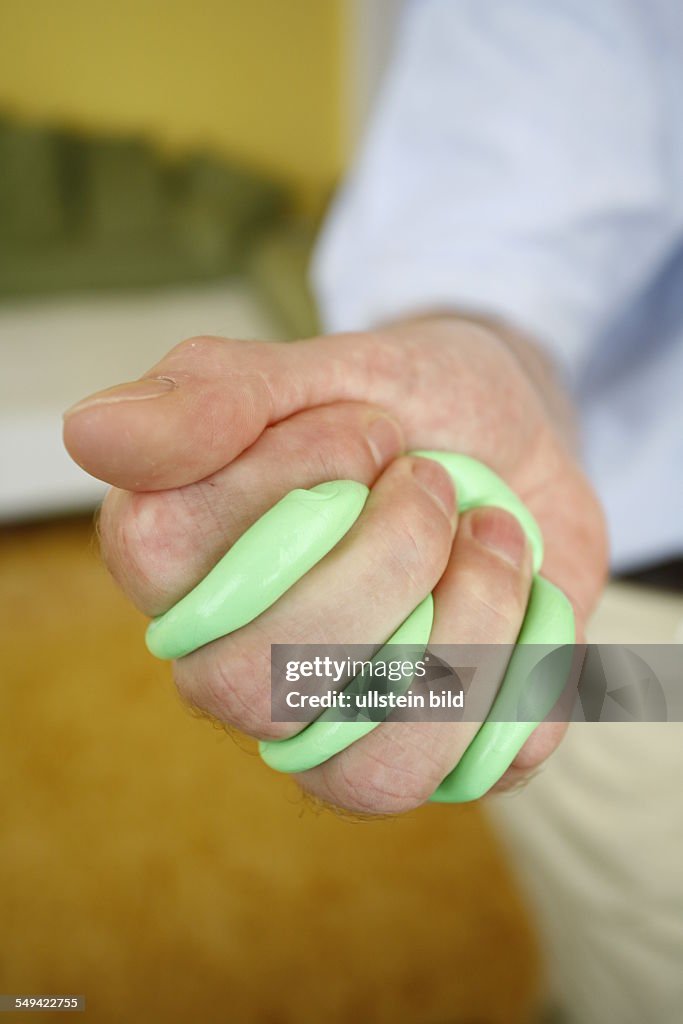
(298, 532)
(265, 562)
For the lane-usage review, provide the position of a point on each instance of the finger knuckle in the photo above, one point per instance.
(376, 786)
(200, 346)
(417, 544)
(344, 451)
(138, 544)
(541, 744)
(500, 596)
(228, 688)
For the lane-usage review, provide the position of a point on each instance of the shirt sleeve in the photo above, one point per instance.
(516, 165)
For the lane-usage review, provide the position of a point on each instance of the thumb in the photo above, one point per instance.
(195, 411)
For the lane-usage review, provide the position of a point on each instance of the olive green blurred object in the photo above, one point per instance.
(80, 212)
(31, 209)
(278, 266)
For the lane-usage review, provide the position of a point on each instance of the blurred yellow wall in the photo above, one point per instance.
(257, 79)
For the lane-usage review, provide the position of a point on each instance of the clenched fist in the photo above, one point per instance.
(220, 430)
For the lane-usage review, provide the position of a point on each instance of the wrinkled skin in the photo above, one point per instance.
(237, 424)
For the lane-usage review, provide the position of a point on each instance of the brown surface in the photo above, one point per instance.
(147, 861)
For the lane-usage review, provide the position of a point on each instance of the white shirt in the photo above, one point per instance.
(525, 160)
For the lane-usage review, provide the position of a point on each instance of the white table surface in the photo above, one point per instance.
(55, 351)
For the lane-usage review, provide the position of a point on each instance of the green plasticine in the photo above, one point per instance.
(296, 534)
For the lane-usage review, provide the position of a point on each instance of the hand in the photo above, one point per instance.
(219, 430)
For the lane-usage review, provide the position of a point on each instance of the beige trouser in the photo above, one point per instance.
(597, 839)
